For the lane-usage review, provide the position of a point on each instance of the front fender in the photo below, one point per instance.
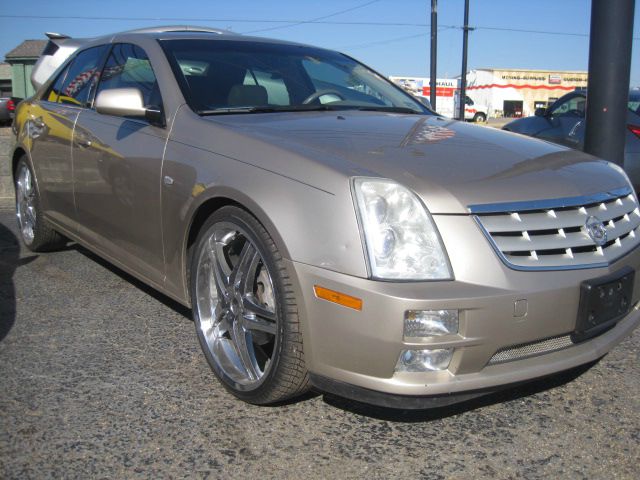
(308, 224)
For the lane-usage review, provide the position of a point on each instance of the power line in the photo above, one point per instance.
(541, 32)
(201, 19)
(291, 22)
(315, 19)
(392, 40)
(381, 42)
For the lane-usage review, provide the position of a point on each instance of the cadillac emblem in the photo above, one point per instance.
(596, 230)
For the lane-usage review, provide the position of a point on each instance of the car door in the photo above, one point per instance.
(564, 119)
(50, 125)
(117, 165)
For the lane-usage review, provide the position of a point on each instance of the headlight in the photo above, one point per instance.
(402, 240)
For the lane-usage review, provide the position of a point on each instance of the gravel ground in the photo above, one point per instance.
(101, 377)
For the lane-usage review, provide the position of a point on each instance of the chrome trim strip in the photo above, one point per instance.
(547, 204)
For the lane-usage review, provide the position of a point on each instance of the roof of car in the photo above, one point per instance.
(235, 37)
(194, 33)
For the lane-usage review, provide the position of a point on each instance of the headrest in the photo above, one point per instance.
(247, 96)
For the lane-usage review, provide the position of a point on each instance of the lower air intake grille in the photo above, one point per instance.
(531, 349)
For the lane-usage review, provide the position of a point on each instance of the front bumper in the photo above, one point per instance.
(361, 348)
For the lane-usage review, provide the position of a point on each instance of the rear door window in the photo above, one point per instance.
(81, 77)
(53, 93)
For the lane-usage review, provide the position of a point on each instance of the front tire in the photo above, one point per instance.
(37, 234)
(245, 311)
(479, 118)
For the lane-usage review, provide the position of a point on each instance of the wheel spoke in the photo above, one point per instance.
(241, 272)
(239, 339)
(28, 188)
(20, 185)
(221, 280)
(225, 324)
(246, 286)
(31, 214)
(252, 307)
(209, 332)
(253, 322)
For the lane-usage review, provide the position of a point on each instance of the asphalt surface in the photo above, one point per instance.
(100, 377)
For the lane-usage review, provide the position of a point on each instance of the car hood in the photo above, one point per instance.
(450, 164)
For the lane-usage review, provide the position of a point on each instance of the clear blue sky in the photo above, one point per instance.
(392, 36)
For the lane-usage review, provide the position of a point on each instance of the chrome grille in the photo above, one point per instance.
(526, 350)
(552, 234)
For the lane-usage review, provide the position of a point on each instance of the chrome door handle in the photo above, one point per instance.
(83, 142)
(572, 133)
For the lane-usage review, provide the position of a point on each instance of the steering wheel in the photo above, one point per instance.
(576, 112)
(321, 93)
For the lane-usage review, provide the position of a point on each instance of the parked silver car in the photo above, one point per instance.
(563, 123)
(8, 109)
(327, 229)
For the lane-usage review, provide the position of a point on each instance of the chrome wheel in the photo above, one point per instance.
(235, 301)
(25, 203)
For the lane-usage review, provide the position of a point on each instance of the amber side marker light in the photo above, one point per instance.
(337, 297)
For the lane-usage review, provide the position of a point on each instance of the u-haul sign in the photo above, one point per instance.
(445, 91)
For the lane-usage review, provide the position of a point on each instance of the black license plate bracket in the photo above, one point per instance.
(603, 302)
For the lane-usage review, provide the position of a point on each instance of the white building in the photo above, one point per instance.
(499, 92)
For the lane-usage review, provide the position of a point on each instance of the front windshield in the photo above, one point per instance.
(227, 76)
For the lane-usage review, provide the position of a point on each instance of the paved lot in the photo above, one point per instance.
(102, 378)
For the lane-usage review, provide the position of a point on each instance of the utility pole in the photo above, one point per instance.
(610, 42)
(434, 53)
(463, 78)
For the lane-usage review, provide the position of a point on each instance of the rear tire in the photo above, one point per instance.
(245, 310)
(36, 233)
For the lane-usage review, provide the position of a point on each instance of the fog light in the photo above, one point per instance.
(430, 323)
(424, 360)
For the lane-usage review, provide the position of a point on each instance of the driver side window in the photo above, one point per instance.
(575, 106)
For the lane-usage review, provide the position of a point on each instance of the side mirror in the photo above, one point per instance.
(127, 102)
(540, 112)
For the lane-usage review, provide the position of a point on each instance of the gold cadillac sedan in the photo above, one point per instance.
(326, 228)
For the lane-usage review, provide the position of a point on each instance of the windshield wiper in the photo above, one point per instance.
(305, 108)
(389, 109)
(224, 111)
(283, 108)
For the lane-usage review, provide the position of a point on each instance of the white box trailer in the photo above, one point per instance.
(447, 93)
